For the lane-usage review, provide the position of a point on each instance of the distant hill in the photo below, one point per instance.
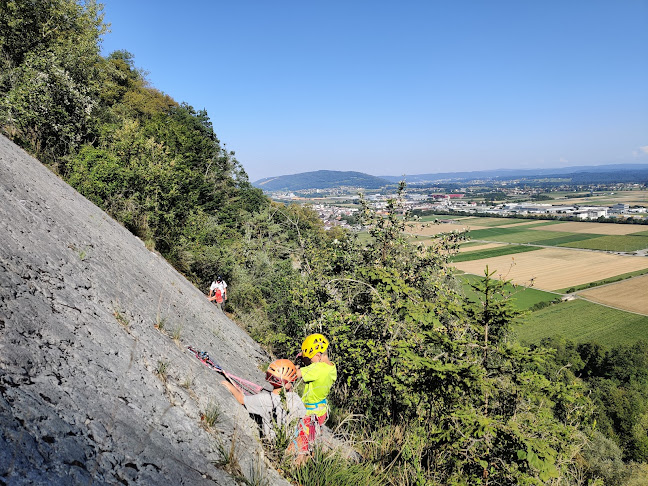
(328, 179)
(320, 179)
(622, 170)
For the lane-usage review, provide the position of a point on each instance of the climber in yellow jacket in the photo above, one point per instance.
(319, 376)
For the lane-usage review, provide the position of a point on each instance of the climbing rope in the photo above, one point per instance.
(246, 386)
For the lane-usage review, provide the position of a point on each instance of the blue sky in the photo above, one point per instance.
(401, 87)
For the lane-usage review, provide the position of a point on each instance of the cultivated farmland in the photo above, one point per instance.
(582, 321)
(427, 228)
(625, 243)
(478, 245)
(434, 229)
(631, 295)
(593, 236)
(598, 228)
(556, 268)
(482, 221)
(493, 252)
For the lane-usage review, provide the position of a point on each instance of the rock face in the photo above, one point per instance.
(91, 392)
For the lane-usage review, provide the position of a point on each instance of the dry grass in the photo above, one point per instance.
(430, 229)
(485, 246)
(556, 268)
(631, 294)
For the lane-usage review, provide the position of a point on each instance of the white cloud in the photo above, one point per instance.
(563, 160)
(641, 151)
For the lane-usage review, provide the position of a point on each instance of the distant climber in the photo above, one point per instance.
(319, 374)
(280, 409)
(218, 291)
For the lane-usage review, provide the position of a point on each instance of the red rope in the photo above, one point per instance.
(248, 387)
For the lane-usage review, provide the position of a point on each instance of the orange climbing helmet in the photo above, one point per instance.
(313, 344)
(280, 372)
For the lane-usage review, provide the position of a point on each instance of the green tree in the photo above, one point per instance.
(415, 356)
(49, 54)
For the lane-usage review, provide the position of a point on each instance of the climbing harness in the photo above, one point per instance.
(311, 408)
(246, 386)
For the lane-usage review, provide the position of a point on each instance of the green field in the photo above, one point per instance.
(468, 244)
(523, 298)
(582, 321)
(562, 238)
(492, 252)
(611, 243)
(592, 241)
(522, 235)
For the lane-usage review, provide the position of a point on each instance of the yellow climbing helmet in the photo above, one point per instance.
(281, 371)
(313, 344)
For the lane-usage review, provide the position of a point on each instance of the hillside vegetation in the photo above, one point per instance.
(430, 384)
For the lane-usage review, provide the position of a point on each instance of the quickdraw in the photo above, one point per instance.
(246, 386)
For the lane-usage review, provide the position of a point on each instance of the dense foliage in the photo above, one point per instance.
(152, 163)
(415, 357)
(443, 395)
(618, 378)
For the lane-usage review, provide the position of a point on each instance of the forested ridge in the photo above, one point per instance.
(432, 388)
(321, 179)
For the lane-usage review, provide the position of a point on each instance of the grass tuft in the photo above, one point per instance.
(176, 334)
(160, 322)
(211, 415)
(121, 318)
(331, 469)
(162, 370)
(228, 460)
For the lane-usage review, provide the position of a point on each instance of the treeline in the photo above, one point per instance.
(618, 380)
(431, 385)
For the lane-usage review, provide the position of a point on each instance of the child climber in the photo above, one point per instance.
(319, 376)
(281, 408)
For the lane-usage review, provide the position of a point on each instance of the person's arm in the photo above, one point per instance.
(238, 394)
(304, 372)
